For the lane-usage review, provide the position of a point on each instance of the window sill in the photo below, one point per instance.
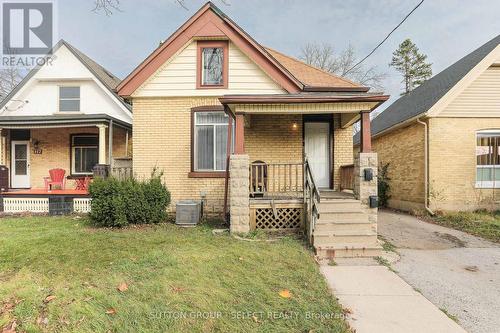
(207, 174)
(67, 112)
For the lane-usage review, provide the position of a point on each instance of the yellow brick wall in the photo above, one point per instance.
(55, 145)
(162, 139)
(342, 149)
(452, 167)
(403, 149)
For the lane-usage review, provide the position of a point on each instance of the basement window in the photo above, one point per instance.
(488, 159)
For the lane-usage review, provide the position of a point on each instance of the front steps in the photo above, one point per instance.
(343, 230)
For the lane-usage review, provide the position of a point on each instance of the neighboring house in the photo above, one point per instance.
(442, 140)
(210, 91)
(66, 115)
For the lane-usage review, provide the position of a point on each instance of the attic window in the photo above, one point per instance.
(212, 64)
(69, 99)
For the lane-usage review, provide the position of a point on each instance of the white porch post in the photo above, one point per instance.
(102, 144)
(2, 149)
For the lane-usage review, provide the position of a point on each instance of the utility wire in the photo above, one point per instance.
(386, 37)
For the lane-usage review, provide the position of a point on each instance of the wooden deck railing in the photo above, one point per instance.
(311, 199)
(122, 172)
(276, 179)
(347, 177)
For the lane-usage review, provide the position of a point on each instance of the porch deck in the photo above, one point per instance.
(40, 192)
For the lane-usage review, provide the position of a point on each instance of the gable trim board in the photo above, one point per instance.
(123, 106)
(202, 24)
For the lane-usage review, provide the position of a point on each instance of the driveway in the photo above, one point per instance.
(454, 270)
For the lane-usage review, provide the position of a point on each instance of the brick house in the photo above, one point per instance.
(230, 121)
(64, 114)
(442, 140)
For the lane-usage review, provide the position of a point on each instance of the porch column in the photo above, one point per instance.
(2, 149)
(239, 135)
(102, 143)
(239, 193)
(365, 184)
(366, 134)
(102, 169)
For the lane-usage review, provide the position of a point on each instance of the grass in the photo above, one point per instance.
(452, 317)
(179, 280)
(480, 223)
(386, 245)
(384, 262)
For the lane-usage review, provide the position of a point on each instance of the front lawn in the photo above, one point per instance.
(59, 274)
(480, 223)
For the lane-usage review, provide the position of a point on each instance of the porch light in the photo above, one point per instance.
(294, 125)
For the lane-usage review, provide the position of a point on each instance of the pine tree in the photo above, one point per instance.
(411, 64)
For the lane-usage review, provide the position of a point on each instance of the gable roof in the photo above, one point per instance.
(109, 80)
(209, 21)
(422, 98)
(311, 76)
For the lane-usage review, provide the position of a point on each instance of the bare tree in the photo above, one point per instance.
(108, 7)
(323, 56)
(9, 78)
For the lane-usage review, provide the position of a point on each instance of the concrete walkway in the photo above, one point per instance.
(380, 301)
(454, 270)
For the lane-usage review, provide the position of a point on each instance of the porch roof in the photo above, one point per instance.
(67, 120)
(316, 102)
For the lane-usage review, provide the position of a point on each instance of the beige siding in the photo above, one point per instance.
(480, 99)
(403, 149)
(178, 77)
(452, 166)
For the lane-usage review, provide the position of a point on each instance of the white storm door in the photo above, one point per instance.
(20, 164)
(316, 147)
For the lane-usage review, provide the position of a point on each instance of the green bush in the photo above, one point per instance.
(384, 187)
(117, 203)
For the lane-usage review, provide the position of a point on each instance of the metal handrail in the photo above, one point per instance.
(311, 198)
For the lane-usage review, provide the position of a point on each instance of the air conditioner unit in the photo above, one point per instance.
(187, 213)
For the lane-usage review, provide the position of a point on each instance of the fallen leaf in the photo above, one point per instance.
(177, 289)
(42, 320)
(471, 268)
(49, 298)
(285, 293)
(122, 287)
(240, 258)
(111, 311)
(10, 328)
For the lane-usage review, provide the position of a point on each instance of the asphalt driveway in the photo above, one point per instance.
(454, 270)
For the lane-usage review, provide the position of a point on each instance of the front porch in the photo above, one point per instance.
(293, 168)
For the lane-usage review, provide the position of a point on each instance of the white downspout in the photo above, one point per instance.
(426, 166)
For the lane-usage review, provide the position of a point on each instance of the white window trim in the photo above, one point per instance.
(487, 183)
(59, 98)
(214, 169)
(73, 153)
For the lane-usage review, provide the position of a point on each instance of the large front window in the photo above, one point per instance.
(84, 153)
(488, 159)
(210, 141)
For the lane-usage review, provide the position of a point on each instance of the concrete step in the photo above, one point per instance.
(343, 217)
(343, 237)
(354, 227)
(350, 250)
(333, 206)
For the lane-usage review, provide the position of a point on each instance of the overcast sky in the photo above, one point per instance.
(445, 30)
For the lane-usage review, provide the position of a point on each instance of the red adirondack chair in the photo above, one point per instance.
(56, 178)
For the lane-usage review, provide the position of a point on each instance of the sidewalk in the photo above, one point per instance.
(380, 301)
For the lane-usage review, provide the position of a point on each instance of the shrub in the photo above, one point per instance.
(384, 187)
(117, 203)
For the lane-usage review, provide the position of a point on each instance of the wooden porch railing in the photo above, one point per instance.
(311, 199)
(347, 177)
(122, 172)
(276, 179)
